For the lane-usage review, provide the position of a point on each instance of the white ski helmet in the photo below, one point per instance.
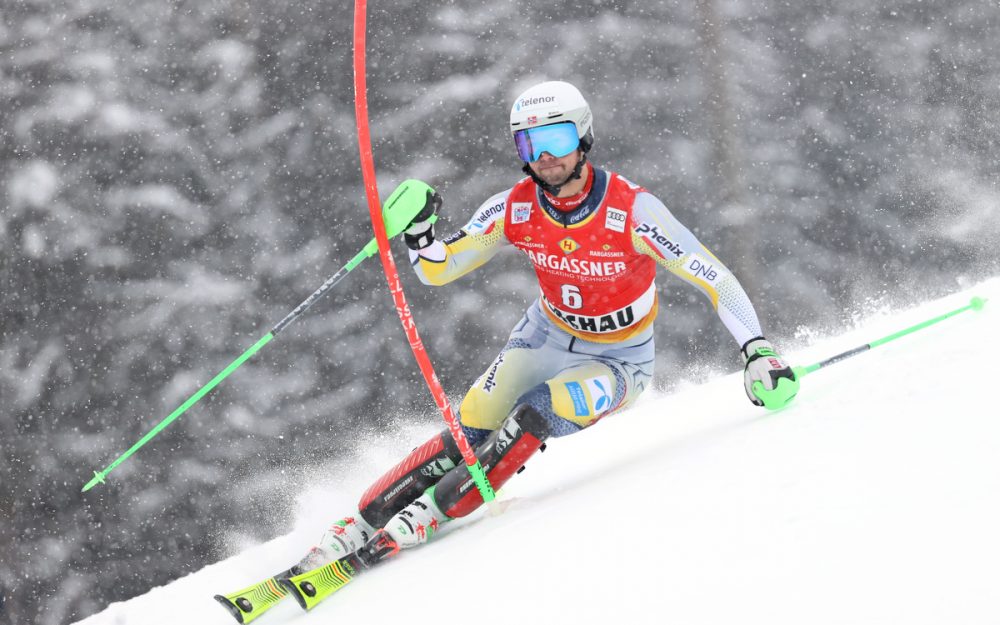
(550, 103)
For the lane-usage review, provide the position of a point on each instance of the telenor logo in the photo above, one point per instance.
(526, 102)
(600, 393)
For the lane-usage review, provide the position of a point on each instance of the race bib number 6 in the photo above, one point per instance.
(571, 297)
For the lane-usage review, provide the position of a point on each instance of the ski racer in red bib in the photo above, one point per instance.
(583, 350)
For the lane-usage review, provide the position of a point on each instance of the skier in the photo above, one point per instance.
(584, 348)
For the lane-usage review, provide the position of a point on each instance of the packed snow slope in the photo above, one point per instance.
(875, 498)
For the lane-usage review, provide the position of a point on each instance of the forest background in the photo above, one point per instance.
(176, 176)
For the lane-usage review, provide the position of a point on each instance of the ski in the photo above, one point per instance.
(314, 586)
(308, 587)
(247, 604)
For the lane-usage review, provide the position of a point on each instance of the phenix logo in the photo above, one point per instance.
(652, 232)
(526, 102)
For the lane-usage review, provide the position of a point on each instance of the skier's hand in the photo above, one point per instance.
(420, 233)
(769, 381)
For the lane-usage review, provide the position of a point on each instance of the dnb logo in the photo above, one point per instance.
(700, 267)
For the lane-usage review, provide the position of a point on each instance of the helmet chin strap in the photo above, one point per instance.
(554, 189)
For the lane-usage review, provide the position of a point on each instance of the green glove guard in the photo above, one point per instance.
(782, 394)
(401, 207)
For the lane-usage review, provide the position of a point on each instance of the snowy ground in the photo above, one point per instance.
(874, 499)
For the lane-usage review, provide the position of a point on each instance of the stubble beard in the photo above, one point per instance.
(556, 176)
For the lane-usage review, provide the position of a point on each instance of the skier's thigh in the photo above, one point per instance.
(495, 393)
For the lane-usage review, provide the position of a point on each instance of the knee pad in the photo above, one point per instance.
(502, 455)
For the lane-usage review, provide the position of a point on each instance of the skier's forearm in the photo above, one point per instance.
(440, 263)
(477, 242)
(737, 312)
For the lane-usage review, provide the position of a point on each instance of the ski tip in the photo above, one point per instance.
(977, 303)
(94, 481)
(235, 611)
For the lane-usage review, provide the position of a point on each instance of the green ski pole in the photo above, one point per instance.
(776, 398)
(397, 215)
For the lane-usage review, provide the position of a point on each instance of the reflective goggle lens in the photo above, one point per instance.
(558, 140)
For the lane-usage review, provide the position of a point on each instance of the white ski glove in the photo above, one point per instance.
(769, 381)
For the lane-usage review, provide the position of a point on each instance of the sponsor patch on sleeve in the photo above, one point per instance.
(700, 267)
(485, 217)
(454, 237)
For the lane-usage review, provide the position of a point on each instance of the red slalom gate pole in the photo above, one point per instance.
(389, 265)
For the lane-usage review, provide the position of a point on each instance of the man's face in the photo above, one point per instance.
(555, 171)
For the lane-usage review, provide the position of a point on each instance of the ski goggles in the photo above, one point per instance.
(556, 139)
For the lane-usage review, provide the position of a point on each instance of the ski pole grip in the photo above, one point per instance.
(404, 204)
(401, 208)
(780, 396)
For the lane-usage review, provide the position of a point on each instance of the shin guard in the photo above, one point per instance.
(502, 455)
(420, 470)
